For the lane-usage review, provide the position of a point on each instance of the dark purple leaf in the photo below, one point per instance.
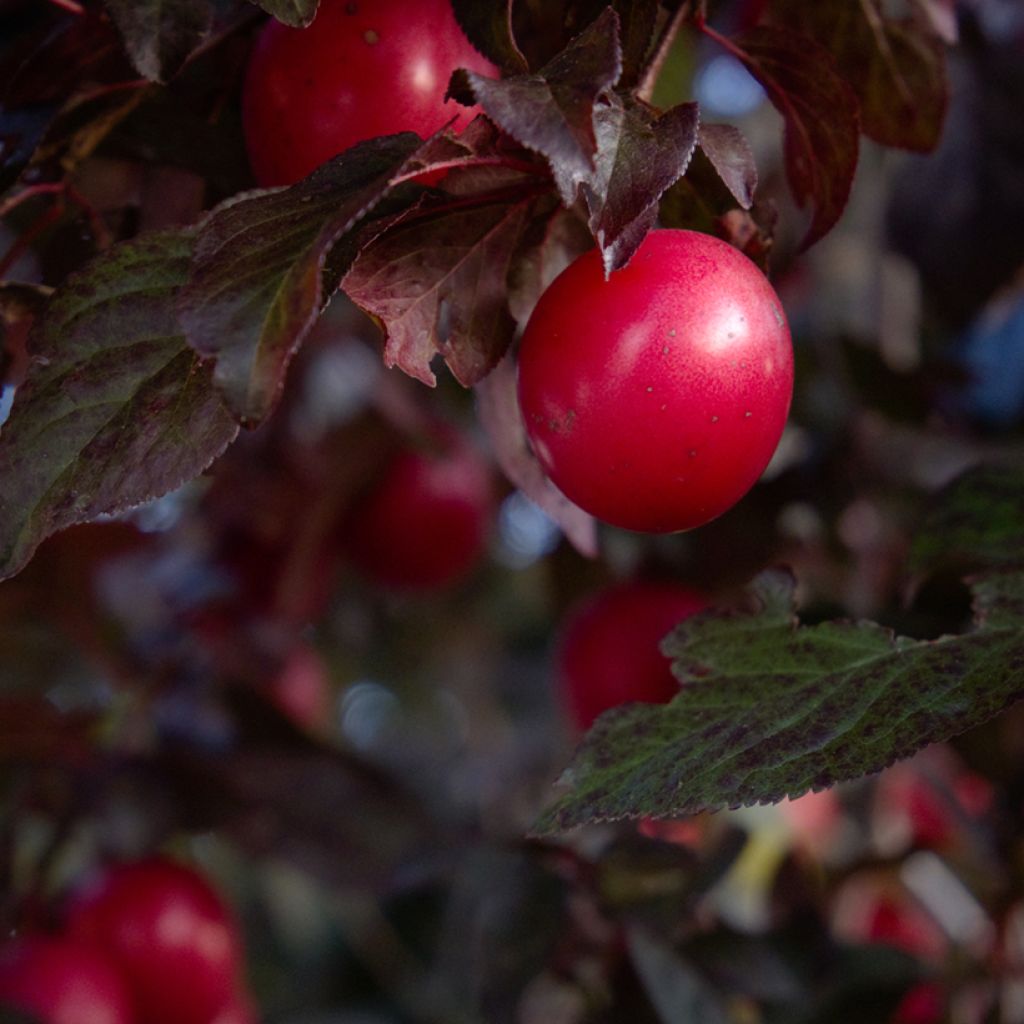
(488, 26)
(700, 201)
(498, 410)
(438, 284)
(637, 19)
(820, 112)
(159, 35)
(297, 13)
(731, 156)
(552, 111)
(549, 246)
(769, 708)
(897, 67)
(640, 155)
(258, 281)
(543, 28)
(116, 409)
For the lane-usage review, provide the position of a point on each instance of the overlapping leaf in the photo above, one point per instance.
(639, 156)
(454, 264)
(770, 709)
(488, 26)
(500, 415)
(159, 35)
(552, 111)
(820, 112)
(896, 67)
(116, 408)
(637, 19)
(258, 281)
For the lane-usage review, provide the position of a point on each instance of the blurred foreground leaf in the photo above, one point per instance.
(770, 708)
(159, 35)
(977, 522)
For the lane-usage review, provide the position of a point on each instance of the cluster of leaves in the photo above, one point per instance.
(566, 126)
(145, 360)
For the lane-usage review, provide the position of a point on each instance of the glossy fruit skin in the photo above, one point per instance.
(361, 69)
(655, 399)
(608, 653)
(170, 935)
(426, 523)
(61, 981)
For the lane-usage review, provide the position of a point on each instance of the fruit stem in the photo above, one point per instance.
(69, 5)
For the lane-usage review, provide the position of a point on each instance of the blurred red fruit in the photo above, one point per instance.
(170, 935)
(426, 522)
(608, 653)
(61, 981)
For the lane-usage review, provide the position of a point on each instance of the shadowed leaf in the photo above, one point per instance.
(116, 408)
(731, 156)
(552, 111)
(258, 281)
(820, 112)
(499, 413)
(488, 26)
(977, 522)
(769, 708)
(637, 19)
(896, 67)
(453, 265)
(159, 35)
(297, 13)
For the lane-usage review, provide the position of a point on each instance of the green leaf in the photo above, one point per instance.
(116, 409)
(297, 13)
(770, 709)
(260, 275)
(159, 35)
(977, 522)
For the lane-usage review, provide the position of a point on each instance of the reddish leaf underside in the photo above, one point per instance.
(821, 119)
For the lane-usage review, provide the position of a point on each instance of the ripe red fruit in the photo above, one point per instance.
(62, 982)
(655, 399)
(425, 524)
(362, 69)
(608, 649)
(170, 935)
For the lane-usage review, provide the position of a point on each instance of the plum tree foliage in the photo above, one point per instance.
(202, 379)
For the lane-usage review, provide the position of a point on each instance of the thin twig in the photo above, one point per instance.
(653, 70)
